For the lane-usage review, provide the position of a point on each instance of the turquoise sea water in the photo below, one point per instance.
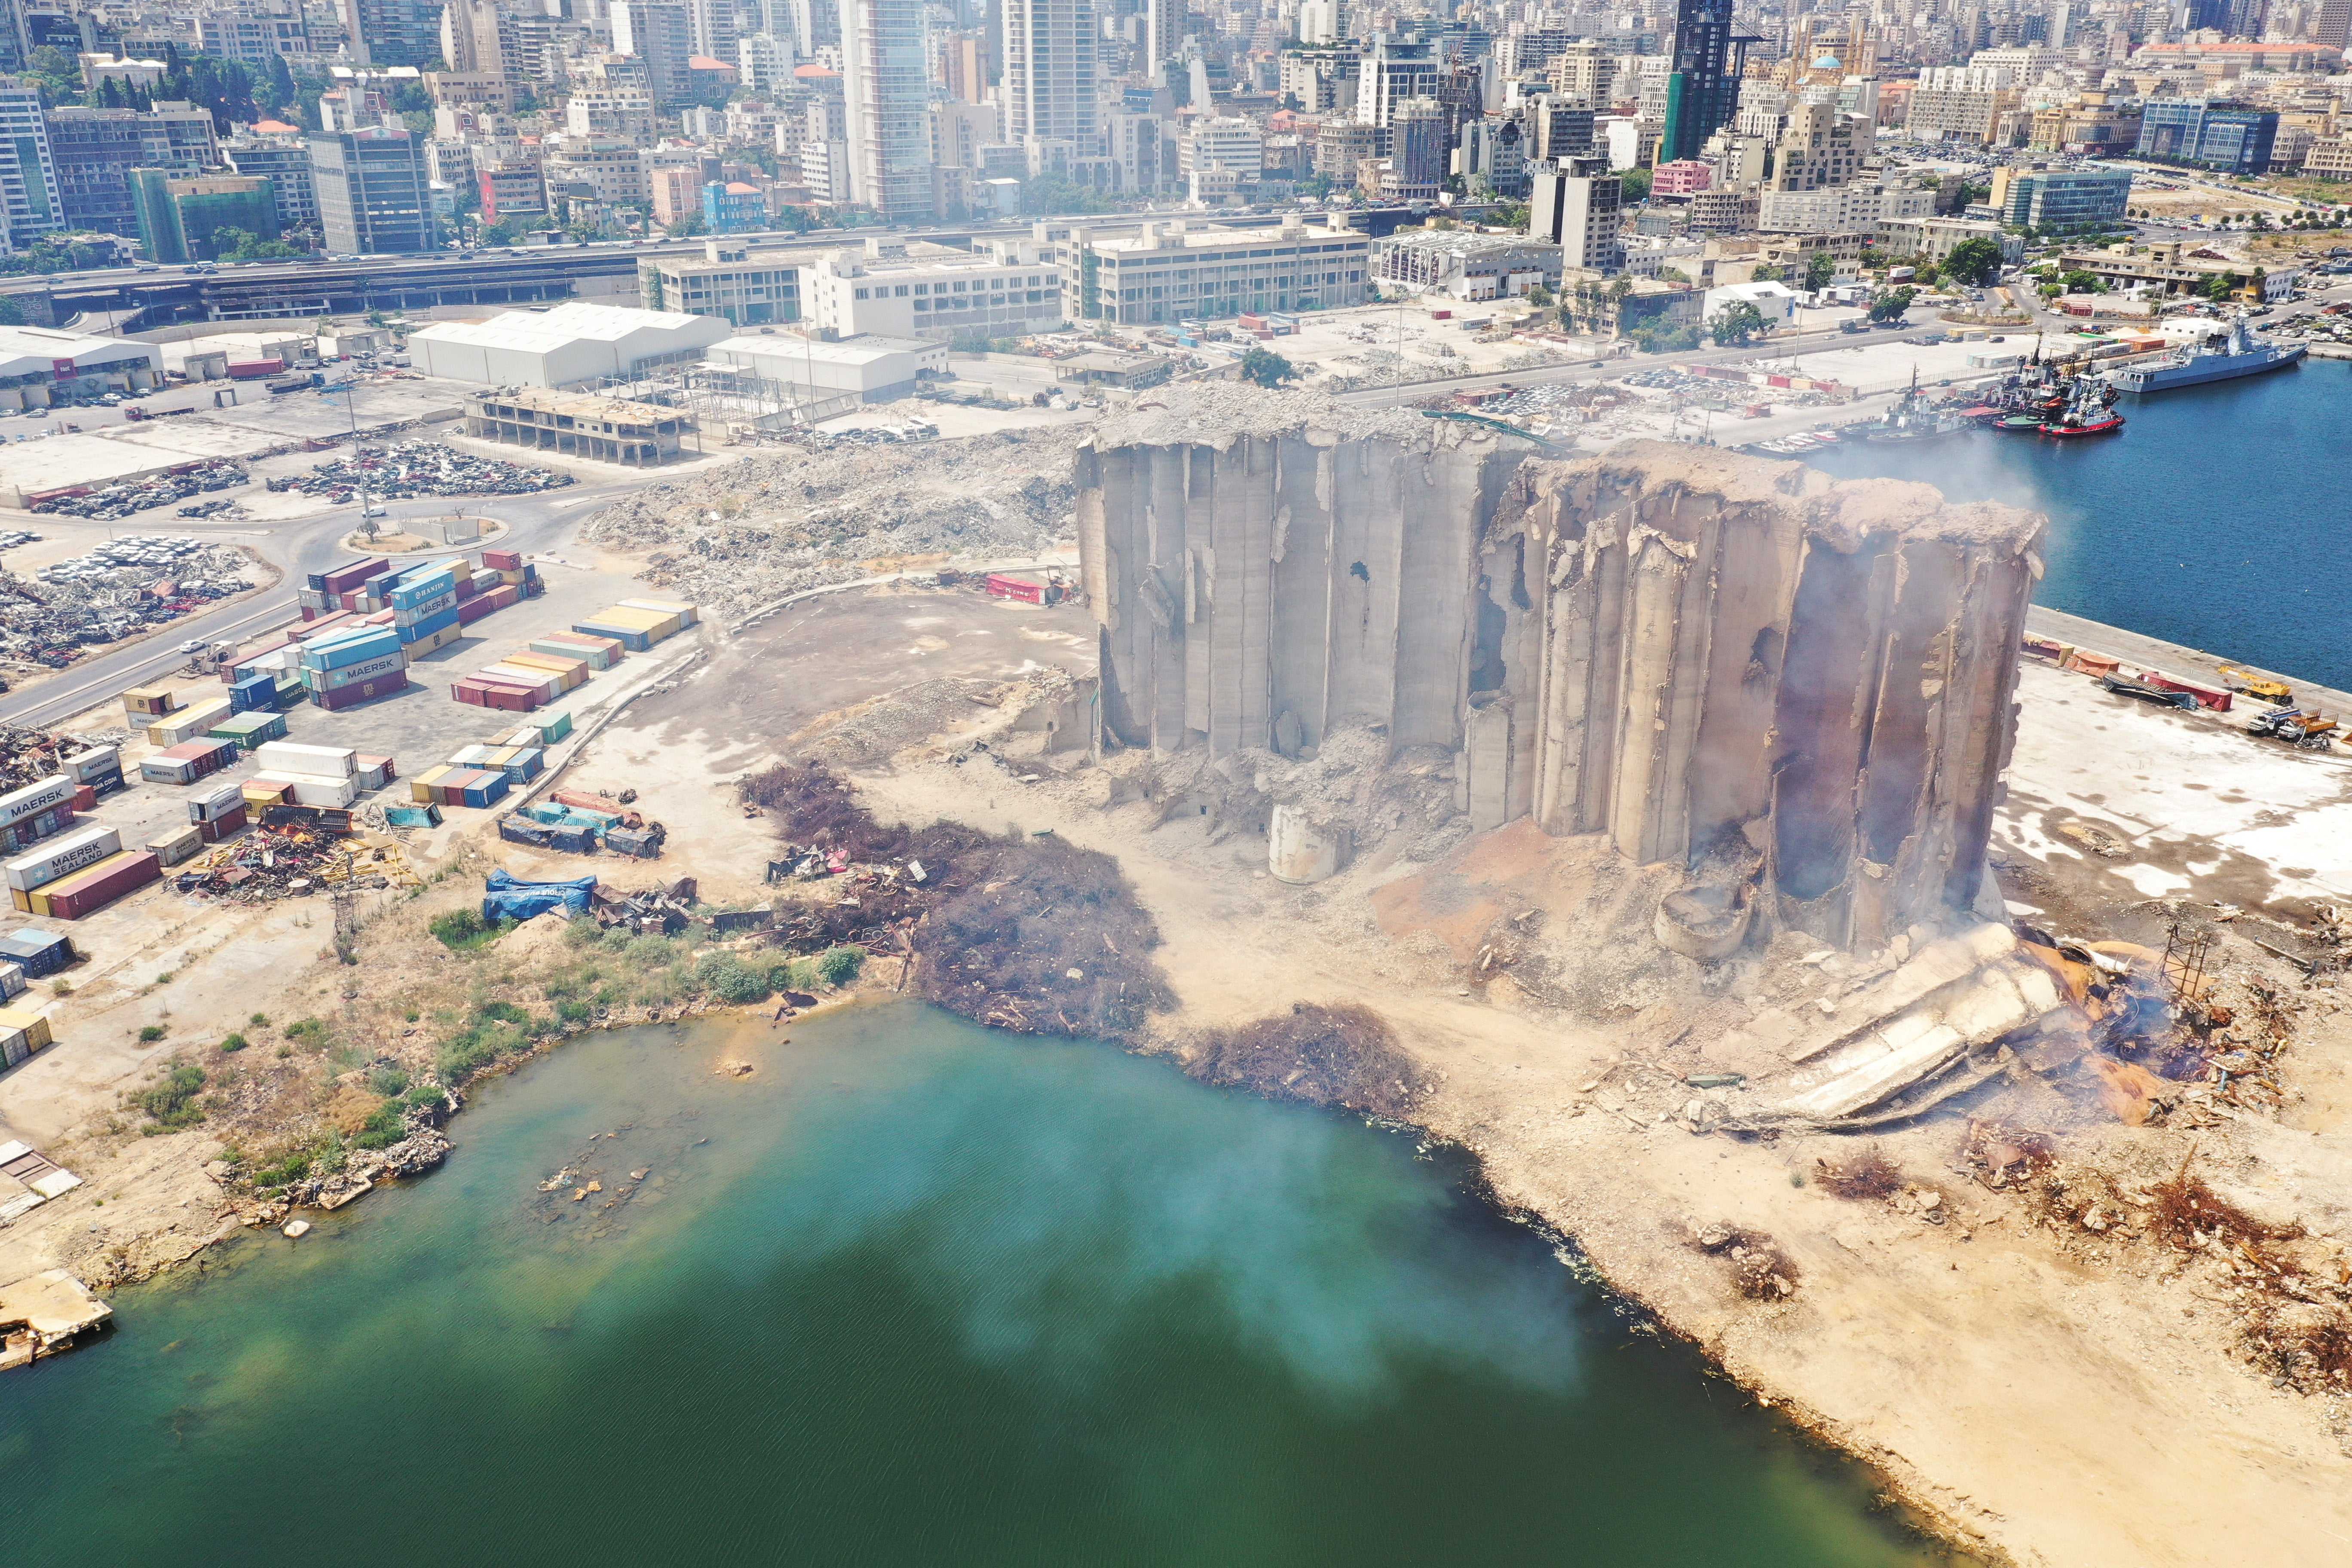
(2216, 519)
(911, 1294)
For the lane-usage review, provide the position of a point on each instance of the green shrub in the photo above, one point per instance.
(651, 951)
(383, 1127)
(466, 1053)
(723, 976)
(575, 1012)
(839, 965)
(500, 1012)
(258, 1021)
(290, 1167)
(388, 1082)
(426, 1097)
(458, 928)
(152, 1032)
(172, 1100)
(234, 1042)
(309, 1032)
(582, 933)
(618, 939)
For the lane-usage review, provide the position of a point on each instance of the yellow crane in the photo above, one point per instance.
(2261, 686)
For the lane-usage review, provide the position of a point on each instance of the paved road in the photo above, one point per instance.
(297, 548)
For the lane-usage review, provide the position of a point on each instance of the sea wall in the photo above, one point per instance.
(1797, 688)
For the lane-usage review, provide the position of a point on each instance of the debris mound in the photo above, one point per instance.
(1759, 1270)
(754, 530)
(1869, 1174)
(1028, 934)
(1344, 1055)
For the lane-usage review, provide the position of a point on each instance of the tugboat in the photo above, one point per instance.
(2090, 411)
(1915, 418)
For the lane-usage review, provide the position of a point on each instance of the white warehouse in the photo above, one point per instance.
(572, 344)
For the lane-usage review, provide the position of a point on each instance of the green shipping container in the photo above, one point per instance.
(250, 730)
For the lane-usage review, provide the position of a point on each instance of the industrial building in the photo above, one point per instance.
(601, 429)
(40, 366)
(571, 344)
(873, 369)
(1466, 265)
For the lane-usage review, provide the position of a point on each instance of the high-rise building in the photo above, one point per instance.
(286, 163)
(94, 150)
(1702, 88)
(374, 198)
(1049, 70)
(185, 217)
(1577, 206)
(660, 34)
(886, 85)
(475, 36)
(2220, 133)
(1393, 69)
(1163, 31)
(712, 28)
(2333, 27)
(393, 32)
(29, 203)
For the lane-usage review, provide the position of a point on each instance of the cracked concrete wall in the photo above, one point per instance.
(1723, 661)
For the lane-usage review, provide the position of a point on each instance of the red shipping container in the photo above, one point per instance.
(464, 588)
(325, 623)
(84, 799)
(351, 576)
(508, 698)
(309, 614)
(472, 610)
(227, 825)
(75, 897)
(1016, 588)
(471, 693)
(343, 697)
(502, 596)
(502, 560)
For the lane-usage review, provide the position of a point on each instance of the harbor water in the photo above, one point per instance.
(2211, 520)
(911, 1293)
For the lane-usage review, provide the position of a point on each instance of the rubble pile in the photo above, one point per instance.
(419, 468)
(118, 500)
(123, 589)
(757, 530)
(28, 756)
(290, 860)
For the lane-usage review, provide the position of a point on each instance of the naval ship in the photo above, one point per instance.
(2219, 358)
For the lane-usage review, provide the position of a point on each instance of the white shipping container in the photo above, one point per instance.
(318, 761)
(19, 804)
(12, 981)
(173, 847)
(215, 803)
(375, 777)
(312, 789)
(85, 766)
(67, 852)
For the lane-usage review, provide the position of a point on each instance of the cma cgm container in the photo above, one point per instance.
(86, 892)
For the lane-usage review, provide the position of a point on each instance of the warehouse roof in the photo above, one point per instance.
(573, 321)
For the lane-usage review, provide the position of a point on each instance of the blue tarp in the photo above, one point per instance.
(507, 898)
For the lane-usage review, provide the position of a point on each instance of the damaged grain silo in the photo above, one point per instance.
(1797, 689)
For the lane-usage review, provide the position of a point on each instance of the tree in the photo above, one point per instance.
(686, 226)
(1266, 367)
(242, 244)
(2219, 286)
(12, 314)
(1768, 273)
(1819, 270)
(283, 95)
(2080, 282)
(1890, 305)
(1737, 324)
(1635, 184)
(1974, 262)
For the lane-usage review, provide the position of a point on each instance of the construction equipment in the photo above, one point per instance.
(2262, 685)
(2310, 730)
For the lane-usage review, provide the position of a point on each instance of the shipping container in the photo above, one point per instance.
(227, 825)
(480, 789)
(420, 641)
(687, 614)
(187, 762)
(424, 611)
(375, 772)
(250, 730)
(170, 849)
(39, 954)
(188, 723)
(94, 765)
(326, 761)
(18, 804)
(317, 789)
(543, 684)
(35, 1026)
(572, 672)
(150, 699)
(100, 885)
(599, 653)
(426, 785)
(360, 692)
(252, 694)
(636, 639)
(216, 802)
(260, 794)
(523, 764)
(12, 981)
(376, 668)
(425, 816)
(27, 831)
(63, 855)
(502, 560)
(363, 645)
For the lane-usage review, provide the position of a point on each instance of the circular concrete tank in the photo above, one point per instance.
(1301, 851)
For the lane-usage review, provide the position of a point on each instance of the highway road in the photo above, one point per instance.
(298, 548)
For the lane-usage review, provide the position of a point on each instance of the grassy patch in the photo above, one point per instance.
(152, 1032)
(234, 1042)
(464, 931)
(170, 1102)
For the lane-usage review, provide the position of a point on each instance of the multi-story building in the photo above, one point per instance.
(1683, 178)
(624, 113)
(1578, 205)
(1162, 272)
(1049, 70)
(1222, 141)
(1831, 210)
(1005, 290)
(1393, 69)
(1937, 237)
(660, 34)
(1702, 92)
(511, 190)
(30, 203)
(1731, 211)
(1820, 147)
(2219, 133)
(2061, 201)
(375, 197)
(1960, 103)
(284, 162)
(476, 37)
(2330, 158)
(393, 32)
(888, 94)
(1581, 70)
(712, 28)
(727, 280)
(1466, 264)
(1415, 166)
(187, 218)
(2094, 123)
(1342, 147)
(251, 35)
(731, 207)
(615, 170)
(94, 150)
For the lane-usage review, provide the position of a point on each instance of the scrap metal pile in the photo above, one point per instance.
(118, 500)
(290, 859)
(28, 756)
(419, 468)
(656, 912)
(123, 589)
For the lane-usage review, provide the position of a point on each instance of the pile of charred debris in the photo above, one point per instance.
(28, 756)
(295, 851)
(1029, 934)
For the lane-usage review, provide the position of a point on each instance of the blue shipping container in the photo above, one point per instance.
(629, 637)
(424, 629)
(253, 694)
(381, 642)
(424, 609)
(414, 591)
(486, 789)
